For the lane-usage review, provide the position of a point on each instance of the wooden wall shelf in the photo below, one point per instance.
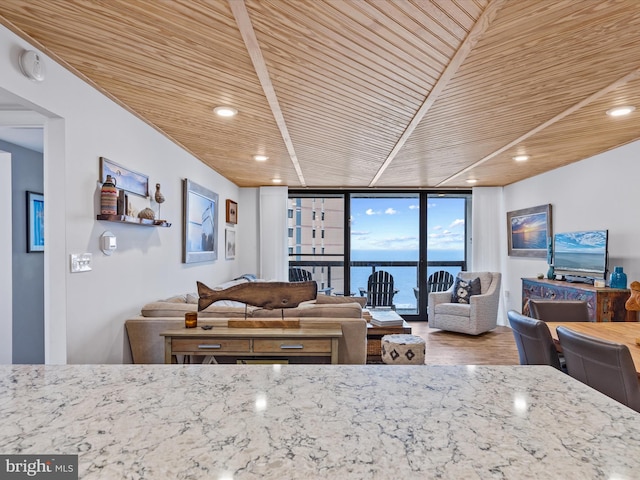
(134, 220)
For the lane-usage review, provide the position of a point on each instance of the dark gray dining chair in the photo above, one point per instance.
(603, 365)
(534, 341)
(559, 310)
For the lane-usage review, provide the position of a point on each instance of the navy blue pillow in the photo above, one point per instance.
(463, 290)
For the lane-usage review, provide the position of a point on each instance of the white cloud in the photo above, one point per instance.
(390, 211)
(456, 222)
(414, 207)
(438, 227)
(396, 243)
(446, 240)
(371, 211)
(359, 233)
(431, 205)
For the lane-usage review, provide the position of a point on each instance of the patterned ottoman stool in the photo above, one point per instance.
(403, 349)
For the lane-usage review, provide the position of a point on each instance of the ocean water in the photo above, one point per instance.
(404, 278)
(586, 261)
(535, 239)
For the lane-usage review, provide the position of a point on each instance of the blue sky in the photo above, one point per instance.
(393, 223)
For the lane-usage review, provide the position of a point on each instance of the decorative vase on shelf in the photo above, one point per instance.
(618, 278)
(109, 197)
(551, 273)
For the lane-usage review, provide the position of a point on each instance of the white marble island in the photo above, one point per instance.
(312, 421)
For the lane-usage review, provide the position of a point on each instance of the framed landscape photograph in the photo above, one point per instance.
(200, 224)
(35, 222)
(529, 231)
(232, 212)
(230, 244)
(125, 179)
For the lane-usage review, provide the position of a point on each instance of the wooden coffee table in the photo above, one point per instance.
(374, 336)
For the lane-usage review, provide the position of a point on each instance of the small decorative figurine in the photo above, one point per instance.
(159, 197)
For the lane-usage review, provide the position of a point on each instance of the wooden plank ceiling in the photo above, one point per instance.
(359, 93)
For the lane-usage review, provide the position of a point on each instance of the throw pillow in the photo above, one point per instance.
(192, 298)
(464, 289)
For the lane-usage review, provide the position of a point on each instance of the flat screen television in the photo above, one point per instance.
(581, 253)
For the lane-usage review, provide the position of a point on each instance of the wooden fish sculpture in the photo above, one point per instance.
(269, 295)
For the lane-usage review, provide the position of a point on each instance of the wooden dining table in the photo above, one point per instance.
(625, 333)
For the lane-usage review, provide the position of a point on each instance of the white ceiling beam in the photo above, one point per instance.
(241, 15)
(635, 74)
(481, 26)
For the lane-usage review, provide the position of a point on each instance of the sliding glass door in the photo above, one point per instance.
(342, 238)
(446, 240)
(385, 236)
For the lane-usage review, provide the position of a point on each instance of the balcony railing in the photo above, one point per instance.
(405, 275)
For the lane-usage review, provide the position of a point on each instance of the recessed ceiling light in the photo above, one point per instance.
(620, 111)
(472, 180)
(521, 158)
(277, 180)
(225, 111)
(260, 158)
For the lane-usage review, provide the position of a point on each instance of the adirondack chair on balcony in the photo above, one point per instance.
(380, 290)
(439, 281)
(297, 274)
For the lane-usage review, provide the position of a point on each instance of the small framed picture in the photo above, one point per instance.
(232, 212)
(125, 179)
(35, 222)
(230, 244)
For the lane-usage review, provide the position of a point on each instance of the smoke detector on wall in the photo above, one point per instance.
(32, 65)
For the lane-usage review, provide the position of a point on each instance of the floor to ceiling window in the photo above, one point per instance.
(316, 238)
(385, 236)
(410, 235)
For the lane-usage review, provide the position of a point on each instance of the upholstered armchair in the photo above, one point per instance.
(479, 315)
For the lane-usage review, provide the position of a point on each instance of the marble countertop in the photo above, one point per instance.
(317, 421)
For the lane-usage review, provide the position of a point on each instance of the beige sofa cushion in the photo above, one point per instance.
(329, 311)
(323, 306)
(170, 309)
(333, 299)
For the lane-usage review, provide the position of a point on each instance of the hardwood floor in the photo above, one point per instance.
(496, 347)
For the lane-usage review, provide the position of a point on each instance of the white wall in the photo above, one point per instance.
(597, 193)
(91, 307)
(247, 236)
(274, 255)
(6, 280)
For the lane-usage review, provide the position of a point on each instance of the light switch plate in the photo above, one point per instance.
(80, 262)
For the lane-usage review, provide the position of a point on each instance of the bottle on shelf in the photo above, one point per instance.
(109, 197)
(618, 279)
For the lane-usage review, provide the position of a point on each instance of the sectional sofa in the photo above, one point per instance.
(147, 346)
